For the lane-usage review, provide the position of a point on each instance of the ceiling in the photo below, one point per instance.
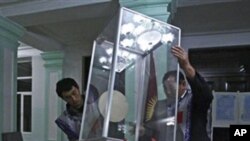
(55, 24)
(195, 16)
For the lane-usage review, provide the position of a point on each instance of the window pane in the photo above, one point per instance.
(27, 114)
(24, 69)
(24, 85)
(18, 111)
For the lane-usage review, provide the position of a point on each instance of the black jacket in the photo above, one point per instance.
(199, 99)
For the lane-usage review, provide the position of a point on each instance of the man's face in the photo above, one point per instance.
(73, 97)
(170, 87)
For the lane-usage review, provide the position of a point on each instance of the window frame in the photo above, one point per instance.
(24, 93)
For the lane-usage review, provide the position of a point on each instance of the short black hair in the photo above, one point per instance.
(65, 85)
(174, 74)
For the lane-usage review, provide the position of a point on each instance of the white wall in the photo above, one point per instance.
(72, 66)
(38, 99)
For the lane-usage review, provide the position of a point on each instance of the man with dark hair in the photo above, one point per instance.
(68, 90)
(70, 120)
(193, 105)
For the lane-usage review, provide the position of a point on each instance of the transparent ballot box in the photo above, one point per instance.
(129, 60)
